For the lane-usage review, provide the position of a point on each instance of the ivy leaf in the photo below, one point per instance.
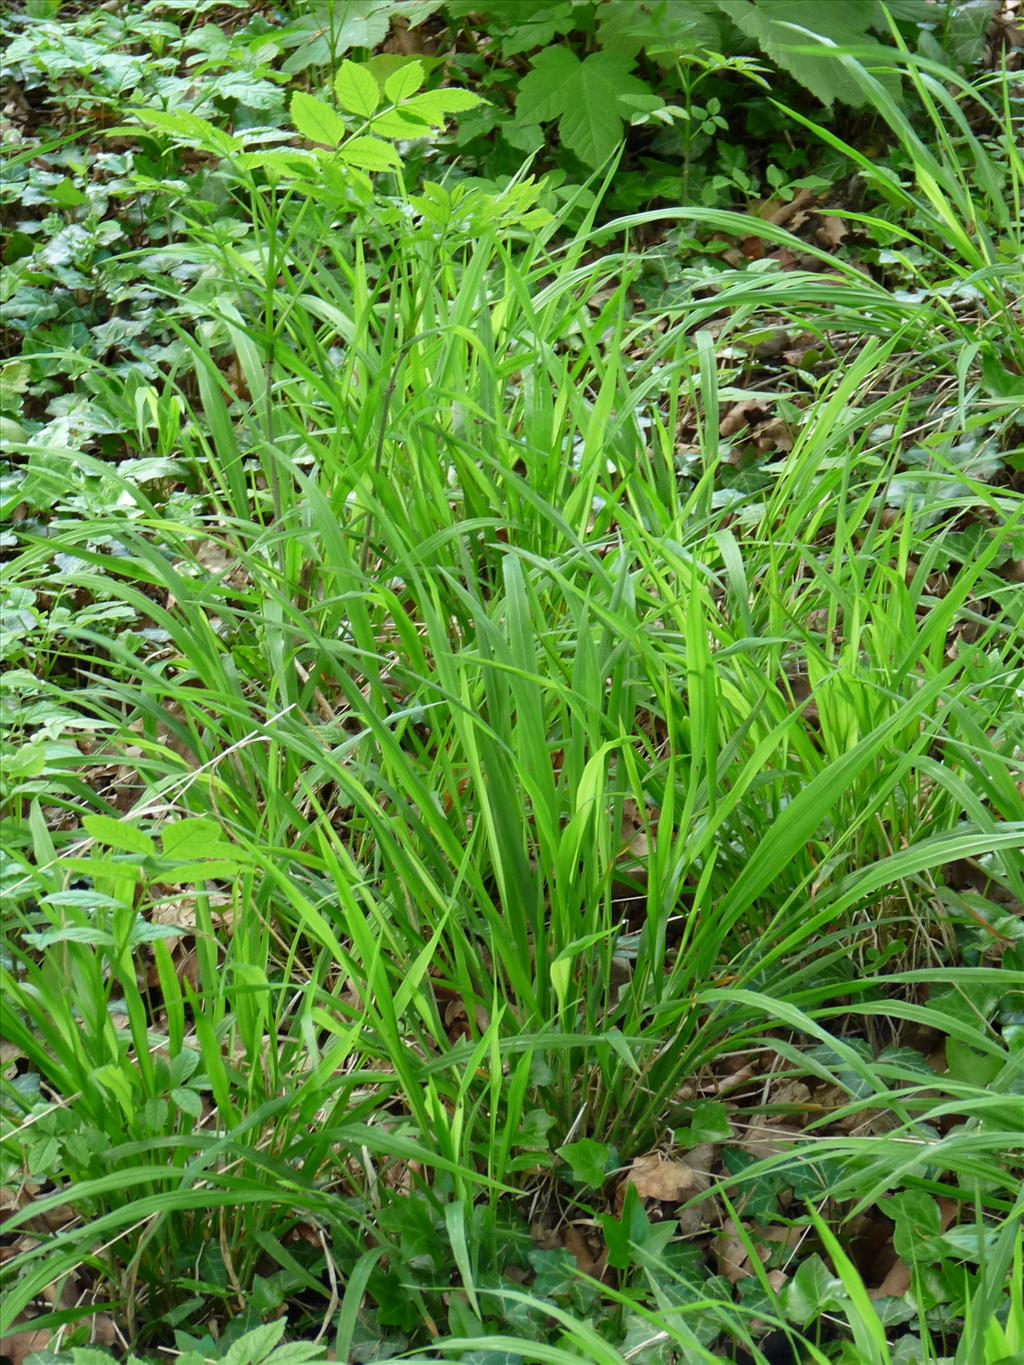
(590, 1161)
(316, 120)
(585, 97)
(709, 1123)
(845, 25)
(632, 1237)
(357, 90)
(812, 1291)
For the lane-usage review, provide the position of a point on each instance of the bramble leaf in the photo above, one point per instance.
(371, 154)
(435, 105)
(404, 82)
(775, 28)
(357, 90)
(586, 97)
(316, 120)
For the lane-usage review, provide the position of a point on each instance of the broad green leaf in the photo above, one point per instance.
(357, 89)
(194, 837)
(195, 874)
(316, 120)
(370, 154)
(188, 1101)
(119, 834)
(539, 28)
(186, 127)
(586, 97)
(967, 1064)
(384, 65)
(812, 1291)
(404, 82)
(590, 1161)
(659, 27)
(710, 1123)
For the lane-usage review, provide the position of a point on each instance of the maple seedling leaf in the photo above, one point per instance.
(586, 97)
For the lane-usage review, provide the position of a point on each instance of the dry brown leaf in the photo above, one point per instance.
(180, 912)
(730, 1257)
(586, 1261)
(544, 1237)
(763, 1142)
(792, 1094)
(831, 232)
(787, 212)
(654, 1177)
(736, 1079)
(774, 435)
(633, 834)
(740, 416)
(21, 1344)
(895, 1284)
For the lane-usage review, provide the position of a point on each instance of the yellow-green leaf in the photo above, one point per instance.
(370, 154)
(357, 89)
(436, 105)
(316, 120)
(404, 82)
(393, 124)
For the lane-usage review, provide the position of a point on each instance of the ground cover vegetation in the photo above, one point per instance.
(513, 694)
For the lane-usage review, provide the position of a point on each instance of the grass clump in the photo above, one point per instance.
(461, 778)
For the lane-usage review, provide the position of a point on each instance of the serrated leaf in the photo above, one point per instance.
(194, 837)
(535, 30)
(435, 105)
(119, 834)
(659, 26)
(316, 120)
(185, 126)
(357, 90)
(775, 28)
(586, 97)
(256, 1345)
(404, 82)
(393, 124)
(370, 154)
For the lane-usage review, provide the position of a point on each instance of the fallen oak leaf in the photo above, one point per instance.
(731, 1257)
(667, 1181)
(578, 1246)
(787, 212)
(19, 1345)
(831, 231)
(774, 435)
(741, 415)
